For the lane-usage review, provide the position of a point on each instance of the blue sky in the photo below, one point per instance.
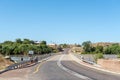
(60, 21)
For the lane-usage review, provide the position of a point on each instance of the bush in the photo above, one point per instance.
(98, 56)
(1, 58)
(118, 55)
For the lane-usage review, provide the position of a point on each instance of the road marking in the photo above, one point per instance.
(70, 71)
(37, 68)
(93, 67)
(3, 78)
(41, 63)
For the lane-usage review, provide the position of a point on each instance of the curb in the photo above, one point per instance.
(93, 67)
(10, 67)
(2, 71)
(71, 71)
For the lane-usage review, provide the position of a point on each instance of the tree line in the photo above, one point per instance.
(114, 48)
(98, 51)
(22, 47)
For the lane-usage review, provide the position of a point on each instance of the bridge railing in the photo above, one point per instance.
(81, 57)
(28, 63)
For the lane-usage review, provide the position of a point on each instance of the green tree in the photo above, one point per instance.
(87, 46)
(16, 50)
(98, 56)
(99, 49)
(23, 49)
(113, 49)
(6, 50)
(93, 49)
(8, 42)
(43, 43)
(26, 41)
(19, 41)
(64, 45)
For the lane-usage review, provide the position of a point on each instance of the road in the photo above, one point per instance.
(59, 67)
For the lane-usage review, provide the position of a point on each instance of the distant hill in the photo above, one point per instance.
(4, 62)
(102, 44)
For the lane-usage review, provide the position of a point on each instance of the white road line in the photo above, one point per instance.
(70, 71)
(93, 67)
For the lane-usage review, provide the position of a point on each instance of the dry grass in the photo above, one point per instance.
(2, 58)
(4, 62)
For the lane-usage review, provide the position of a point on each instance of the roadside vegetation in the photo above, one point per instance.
(98, 56)
(109, 49)
(4, 62)
(89, 49)
(22, 47)
(99, 51)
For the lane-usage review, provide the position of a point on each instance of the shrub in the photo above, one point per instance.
(98, 56)
(118, 55)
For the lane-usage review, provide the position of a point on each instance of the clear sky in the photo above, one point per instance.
(60, 21)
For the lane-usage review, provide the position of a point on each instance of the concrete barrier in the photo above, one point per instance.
(28, 63)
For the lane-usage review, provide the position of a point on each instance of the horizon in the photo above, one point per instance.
(61, 21)
(57, 43)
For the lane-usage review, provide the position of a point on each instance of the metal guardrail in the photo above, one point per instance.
(19, 65)
(90, 62)
(84, 60)
(28, 63)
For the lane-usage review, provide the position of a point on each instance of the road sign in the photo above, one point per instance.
(31, 52)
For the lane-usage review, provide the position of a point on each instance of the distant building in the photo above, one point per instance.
(52, 45)
(37, 42)
(77, 49)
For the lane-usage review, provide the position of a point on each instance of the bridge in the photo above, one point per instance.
(59, 67)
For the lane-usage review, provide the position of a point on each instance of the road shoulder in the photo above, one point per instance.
(91, 66)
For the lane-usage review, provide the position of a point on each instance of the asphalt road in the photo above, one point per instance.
(51, 71)
(89, 72)
(59, 67)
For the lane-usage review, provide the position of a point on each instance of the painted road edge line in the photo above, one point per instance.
(70, 71)
(79, 61)
(41, 62)
(37, 69)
